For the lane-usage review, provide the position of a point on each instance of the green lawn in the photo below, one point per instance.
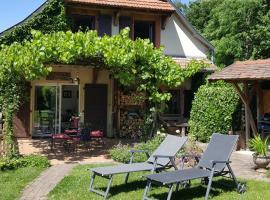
(75, 186)
(12, 182)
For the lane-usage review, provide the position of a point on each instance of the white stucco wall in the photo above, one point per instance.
(178, 41)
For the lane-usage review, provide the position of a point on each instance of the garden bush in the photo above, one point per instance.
(120, 153)
(212, 110)
(24, 161)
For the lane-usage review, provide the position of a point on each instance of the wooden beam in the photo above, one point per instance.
(164, 20)
(258, 101)
(248, 114)
(95, 75)
(116, 18)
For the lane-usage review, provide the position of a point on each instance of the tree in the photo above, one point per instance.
(239, 29)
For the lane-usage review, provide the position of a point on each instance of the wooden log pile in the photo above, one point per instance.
(130, 125)
(134, 98)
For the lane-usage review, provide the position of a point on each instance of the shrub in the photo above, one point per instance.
(212, 110)
(120, 153)
(24, 161)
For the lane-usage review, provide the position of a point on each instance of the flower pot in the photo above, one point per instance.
(261, 161)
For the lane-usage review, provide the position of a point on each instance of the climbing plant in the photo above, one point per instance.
(136, 63)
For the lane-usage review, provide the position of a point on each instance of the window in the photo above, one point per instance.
(144, 30)
(83, 22)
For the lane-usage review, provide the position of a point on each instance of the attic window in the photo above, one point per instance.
(83, 22)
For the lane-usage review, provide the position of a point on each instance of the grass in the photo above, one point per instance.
(12, 182)
(75, 186)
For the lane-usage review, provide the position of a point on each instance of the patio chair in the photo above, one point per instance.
(213, 163)
(170, 146)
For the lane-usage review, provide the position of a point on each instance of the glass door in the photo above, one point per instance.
(46, 110)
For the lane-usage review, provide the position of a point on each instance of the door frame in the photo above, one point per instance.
(33, 95)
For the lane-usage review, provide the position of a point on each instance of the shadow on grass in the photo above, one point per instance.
(159, 192)
(198, 190)
(125, 188)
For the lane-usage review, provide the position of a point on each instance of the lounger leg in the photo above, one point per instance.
(102, 193)
(126, 178)
(232, 174)
(147, 188)
(177, 187)
(108, 187)
(92, 182)
(209, 184)
(170, 192)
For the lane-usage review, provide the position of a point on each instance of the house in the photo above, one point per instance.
(92, 94)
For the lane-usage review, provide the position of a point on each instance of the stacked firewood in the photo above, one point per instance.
(134, 98)
(130, 125)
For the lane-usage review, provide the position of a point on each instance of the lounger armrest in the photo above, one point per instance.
(156, 156)
(194, 156)
(163, 156)
(136, 151)
(220, 161)
(132, 151)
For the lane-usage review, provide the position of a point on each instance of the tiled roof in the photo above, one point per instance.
(183, 62)
(244, 70)
(132, 4)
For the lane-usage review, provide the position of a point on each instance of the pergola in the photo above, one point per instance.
(247, 77)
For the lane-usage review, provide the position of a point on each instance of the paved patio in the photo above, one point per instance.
(243, 166)
(96, 151)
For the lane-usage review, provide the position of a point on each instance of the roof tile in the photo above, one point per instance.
(244, 70)
(132, 4)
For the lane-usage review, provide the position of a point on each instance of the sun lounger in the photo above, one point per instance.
(214, 162)
(169, 147)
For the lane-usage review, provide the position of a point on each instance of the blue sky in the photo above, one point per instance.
(14, 11)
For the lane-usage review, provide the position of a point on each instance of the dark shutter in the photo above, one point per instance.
(188, 98)
(105, 25)
(95, 108)
(125, 21)
(21, 120)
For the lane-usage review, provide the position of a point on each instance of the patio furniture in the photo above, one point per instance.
(264, 125)
(213, 163)
(170, 146)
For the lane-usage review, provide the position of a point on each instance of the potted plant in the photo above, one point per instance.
(260, 146)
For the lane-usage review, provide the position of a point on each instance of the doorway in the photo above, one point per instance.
(95, 114)
(54, 105)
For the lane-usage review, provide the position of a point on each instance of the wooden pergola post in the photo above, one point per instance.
(244, 95)
(259, 102)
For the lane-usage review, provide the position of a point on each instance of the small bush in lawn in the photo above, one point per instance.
(24, 161)
(120, 153)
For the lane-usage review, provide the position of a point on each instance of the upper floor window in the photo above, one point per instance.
(140, 28)
(144, 30)
(84, 22)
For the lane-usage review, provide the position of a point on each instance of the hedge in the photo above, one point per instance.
(212, 110)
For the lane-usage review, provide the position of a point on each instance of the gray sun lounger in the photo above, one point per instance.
(213, 163)
(170, 146)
